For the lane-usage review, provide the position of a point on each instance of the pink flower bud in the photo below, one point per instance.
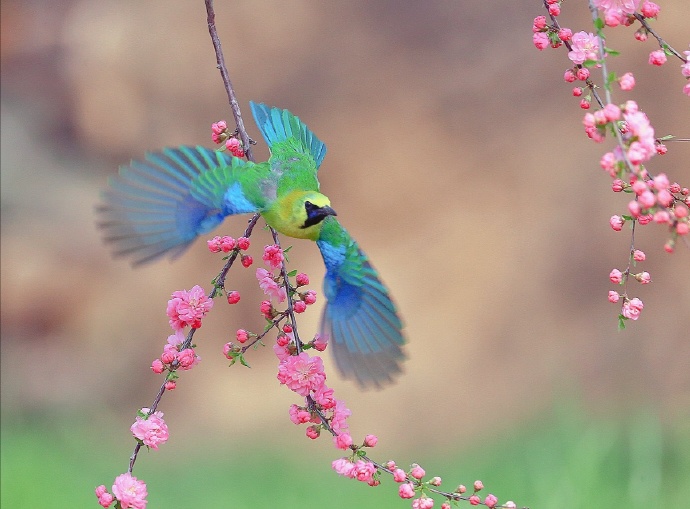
(490, 501)
(613, 296)
(627, 81)
(475, 500)
(682, 228)
(435, 481)
(302, 279)
(616, 276)
(478, 485)
(417, 472)
(617, 223)
(370, 441)
(649, 9)
(246, 261)
(657, 57)
(406, 490)
(233, 297)
(157, 366)
(399, 475)
(638, 255)
(300, 306)
(243, 243)
(242, 336)
(170, 385)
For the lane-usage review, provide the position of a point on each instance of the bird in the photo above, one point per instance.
(156, 207)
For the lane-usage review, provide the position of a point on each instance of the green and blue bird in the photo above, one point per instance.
(157, 207)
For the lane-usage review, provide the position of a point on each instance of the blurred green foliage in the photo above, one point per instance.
(566, 460)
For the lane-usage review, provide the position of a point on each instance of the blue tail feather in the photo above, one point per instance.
(278, 125)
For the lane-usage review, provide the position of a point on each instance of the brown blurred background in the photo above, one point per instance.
(456, 157)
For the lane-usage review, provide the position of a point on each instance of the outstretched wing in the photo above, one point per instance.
(158, 206)
(360, 318)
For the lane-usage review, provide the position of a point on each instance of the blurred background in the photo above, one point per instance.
(456, 157)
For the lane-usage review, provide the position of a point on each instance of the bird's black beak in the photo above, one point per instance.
(317, 214)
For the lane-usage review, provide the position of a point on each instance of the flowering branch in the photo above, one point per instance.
(297, 370)
(656, 199)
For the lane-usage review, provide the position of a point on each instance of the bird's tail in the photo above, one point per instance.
(360, 318)
(148, 210)
(278, 125)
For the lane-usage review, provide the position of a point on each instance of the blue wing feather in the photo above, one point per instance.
(149, 211)
(360, 317)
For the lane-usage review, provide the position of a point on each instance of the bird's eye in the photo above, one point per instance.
(309, 206)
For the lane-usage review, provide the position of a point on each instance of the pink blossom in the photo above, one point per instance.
(269, 286)
(644, 278)
(585, 47)
(299, 415)
(490, 501)
(541, 40)
(632, 308)
(267, 309)
(639, 256)
(370, 441)
(170, 385)
(406, 490)
(475, 500)
(510, 505)
(478, 485)
(313, 432)
(169, 354)
(157, 366)
(399, 475)
(300, 306)
(617, 185)
(569, 76)
(657, 57)
(242, 336)
(233, 297)
(344, 466)
(616, 276)
(617, 223)
(320, 342)
(682, 228)
(435, 481)
(309, 297)
(612, 112)
(301, 373)
(342, 441)
(151, 430)
(340, 415)
(554, 9)
(661, 217)
(177, 338)
(445, 505)
(613, 296)
(187, 359)
(615, 11)
(650, 9)
(425, 502)
(647, 199)
(214, 244)
(273, 256)
(227, 244)
(246, 261)
(130, 491)
(188, 308)
(281, 352)
(417, 472)
(582, 73)
(104, 498)
(627, 81)
(302, 279)
(680, 211)
(234, 146)
(685, 68)
(539, 23)
(461, 489)
(243, 243)
(324, 397)
(665, 197)
(565, 34)
(364, 470)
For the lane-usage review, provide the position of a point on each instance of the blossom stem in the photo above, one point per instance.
(664, 45)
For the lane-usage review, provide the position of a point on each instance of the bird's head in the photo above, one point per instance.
(309, 209)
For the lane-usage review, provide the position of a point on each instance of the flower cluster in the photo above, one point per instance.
(655, 199)
(220, 134)
(187, 308)
(150, 428)
(129, 492)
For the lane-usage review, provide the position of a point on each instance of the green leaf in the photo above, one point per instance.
(599, 23)
(611, 52)
(292, 273)
(621, 322)
(243, 361)
(590, 63)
